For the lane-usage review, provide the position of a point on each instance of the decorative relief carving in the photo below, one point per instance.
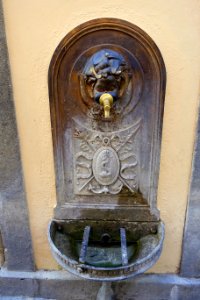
(105, 162)
(106, 71)
(105, 166)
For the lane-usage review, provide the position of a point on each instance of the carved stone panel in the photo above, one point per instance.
(105, 163)
(111, 161)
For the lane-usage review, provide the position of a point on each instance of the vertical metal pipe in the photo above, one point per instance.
(123, 246)
(84, 245)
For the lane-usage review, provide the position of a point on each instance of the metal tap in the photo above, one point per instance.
(106, 100)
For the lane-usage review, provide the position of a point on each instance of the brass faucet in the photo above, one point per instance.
(106, 100)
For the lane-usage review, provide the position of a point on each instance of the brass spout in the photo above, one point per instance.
(106, 100)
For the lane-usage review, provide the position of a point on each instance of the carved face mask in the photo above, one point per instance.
(106, 72)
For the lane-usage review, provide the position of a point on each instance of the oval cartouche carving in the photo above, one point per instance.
(105, 166)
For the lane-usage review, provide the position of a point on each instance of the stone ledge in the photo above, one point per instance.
(61, 285)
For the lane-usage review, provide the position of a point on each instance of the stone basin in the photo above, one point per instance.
(103, 259)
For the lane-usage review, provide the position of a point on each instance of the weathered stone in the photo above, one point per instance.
(105, 292)
(190, 265)
(1, 252)
(158, 287)
(13, 209)
(63, 286)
